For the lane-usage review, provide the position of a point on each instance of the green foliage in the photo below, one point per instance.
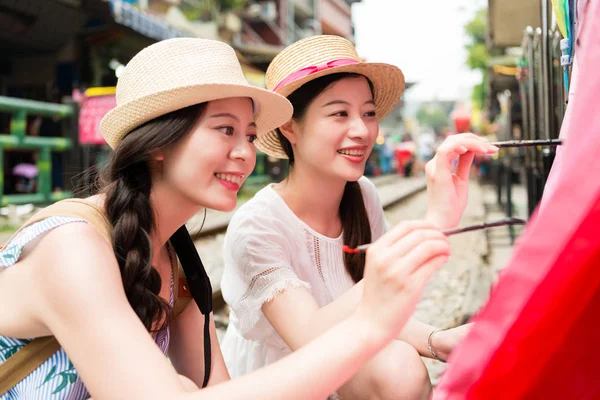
(206, 10)
(479, 93)
(231, 5)
(7, 228)
(476, 29)
(201, 10)
(477, 56)
(477, 52)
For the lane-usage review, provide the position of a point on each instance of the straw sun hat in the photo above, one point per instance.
(177, 73)
(317, 56)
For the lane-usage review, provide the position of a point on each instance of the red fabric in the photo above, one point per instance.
(538, 336)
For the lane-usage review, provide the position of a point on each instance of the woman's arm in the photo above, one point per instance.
(297, 318)
(76, 292)
(313, 372)
(76, 288)
(394, 281)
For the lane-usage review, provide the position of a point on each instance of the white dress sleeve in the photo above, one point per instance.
(379, 225)
(257, 252)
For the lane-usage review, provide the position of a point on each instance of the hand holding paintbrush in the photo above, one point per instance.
(450, 232)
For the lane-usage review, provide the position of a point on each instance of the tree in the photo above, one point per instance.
(476, 29)
(478, 53)
(232, 5)
(206, 10)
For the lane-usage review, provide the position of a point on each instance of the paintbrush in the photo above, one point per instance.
(450, 232)
(528, 143)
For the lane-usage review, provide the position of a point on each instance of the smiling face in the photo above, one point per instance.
(208, 166)
(337, 132)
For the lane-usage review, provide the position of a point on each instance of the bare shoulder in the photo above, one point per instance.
(70, 265)
(75, 258)
(68, 248)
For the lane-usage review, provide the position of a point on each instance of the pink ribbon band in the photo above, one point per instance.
(313, 69)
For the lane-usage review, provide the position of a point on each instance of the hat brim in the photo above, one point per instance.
(272, 109)
(388, 86)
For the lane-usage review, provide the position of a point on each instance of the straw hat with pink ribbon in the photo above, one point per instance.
(317, 56)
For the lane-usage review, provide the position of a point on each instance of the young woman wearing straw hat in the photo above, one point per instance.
(99, 273)
(286, 278)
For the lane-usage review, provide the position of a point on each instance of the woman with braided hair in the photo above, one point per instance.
(98, 277)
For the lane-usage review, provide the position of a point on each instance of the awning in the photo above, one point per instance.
(143, 22)
(509, 18)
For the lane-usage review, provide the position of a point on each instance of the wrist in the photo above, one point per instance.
(439, 221)
(430, 216)
(364, 329)
(437, 345)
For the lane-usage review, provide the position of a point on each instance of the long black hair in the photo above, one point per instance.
(355, 222)
(127, 184)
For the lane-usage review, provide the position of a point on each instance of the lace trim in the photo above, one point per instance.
(315, 254)
(255, 279)
(263, 288)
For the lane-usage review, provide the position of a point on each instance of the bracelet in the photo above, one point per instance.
(430, 345)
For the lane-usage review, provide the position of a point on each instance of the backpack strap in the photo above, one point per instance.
(181, 290)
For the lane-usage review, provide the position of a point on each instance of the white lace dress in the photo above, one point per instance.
(268, 249)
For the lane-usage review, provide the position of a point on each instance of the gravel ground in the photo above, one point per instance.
(444, 301)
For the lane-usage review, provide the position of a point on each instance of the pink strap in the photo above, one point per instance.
(306, 71)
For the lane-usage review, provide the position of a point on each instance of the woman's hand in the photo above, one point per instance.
(448, 191)
(397, 268)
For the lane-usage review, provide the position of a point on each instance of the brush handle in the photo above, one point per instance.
(528, 143)
(502, 222)
(450, 232)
